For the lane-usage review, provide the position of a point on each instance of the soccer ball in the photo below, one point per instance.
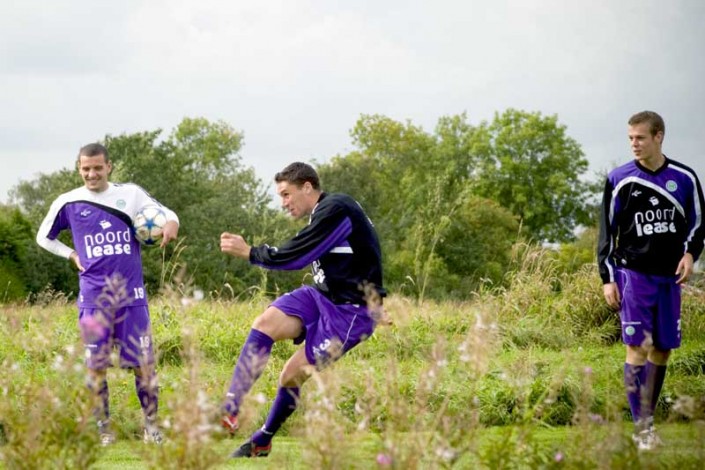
(148, 224)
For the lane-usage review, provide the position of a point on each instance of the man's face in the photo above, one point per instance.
(644, 145)
(94, 171)
(296, 200)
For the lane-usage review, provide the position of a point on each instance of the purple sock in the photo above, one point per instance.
(283, 406)
(655, 376)
(253, 358)
(147, 392)
(101, 411)
(633, 381)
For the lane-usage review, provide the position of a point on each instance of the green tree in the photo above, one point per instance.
(14, 231)
(22, 270)
(34, 197)
(478, 243)
(530, 166)
(417, 187)
(411, 184)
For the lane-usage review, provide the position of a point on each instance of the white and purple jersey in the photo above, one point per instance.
(650, 219)
(102, 232)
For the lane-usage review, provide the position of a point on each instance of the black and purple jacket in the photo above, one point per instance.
(341, 245)
(650, 219)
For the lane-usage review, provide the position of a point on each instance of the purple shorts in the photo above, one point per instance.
(651, 309)
(130, 330)
(330, 330)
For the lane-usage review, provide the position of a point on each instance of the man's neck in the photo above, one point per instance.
(654, 163)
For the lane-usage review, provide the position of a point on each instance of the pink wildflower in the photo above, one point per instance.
(384, 460)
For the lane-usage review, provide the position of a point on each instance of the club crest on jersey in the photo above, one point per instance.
(671, 185)
(653, 200)
(105, 224)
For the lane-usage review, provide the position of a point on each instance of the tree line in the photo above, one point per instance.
(449, 205)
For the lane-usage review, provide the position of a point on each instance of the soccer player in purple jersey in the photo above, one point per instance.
(112, 300)
(651, 233)
(331, 317)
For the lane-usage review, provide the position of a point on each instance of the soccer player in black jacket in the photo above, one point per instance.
(331, 317)
(651, 233)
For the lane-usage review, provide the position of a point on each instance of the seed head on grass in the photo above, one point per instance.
(323, 431)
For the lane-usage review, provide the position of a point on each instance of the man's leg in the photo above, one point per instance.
(640, 294)
(98, 385)
(635, 380)
(250, 364)
(133, 332)
(147, 389)
(298, 368)
(634, 376)
(273, 325)
(655, 375)
(650, 379)
(295, 373)
(326, 324)
(667, 336)
(95, 330)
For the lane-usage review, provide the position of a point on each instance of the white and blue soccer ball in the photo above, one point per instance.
(148, 224)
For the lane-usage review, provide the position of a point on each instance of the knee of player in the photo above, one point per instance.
(261, 323)
(147, 374)
(637, 355)
(276, 324)
(94, 378)
(659, 356)
(265, 321)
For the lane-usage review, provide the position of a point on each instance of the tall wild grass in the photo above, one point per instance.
(475, 384)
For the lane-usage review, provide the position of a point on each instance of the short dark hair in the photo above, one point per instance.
(654, 121)
(299, 173)
(93, 150)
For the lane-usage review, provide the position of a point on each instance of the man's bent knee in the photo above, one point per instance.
(636, 355)
(659, 357)
(95, 377)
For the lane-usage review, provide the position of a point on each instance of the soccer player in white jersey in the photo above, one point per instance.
(112, 301)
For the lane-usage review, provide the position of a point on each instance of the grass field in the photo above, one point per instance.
(525, 377)
(684, 449)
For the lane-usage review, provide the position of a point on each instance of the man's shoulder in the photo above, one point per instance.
(338, 198)
(76, 194)
(623, 170)
(126, 187)
(681, 167)
(339, 201)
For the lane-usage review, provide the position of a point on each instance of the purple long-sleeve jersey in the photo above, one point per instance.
(650, 219)
(102, 233)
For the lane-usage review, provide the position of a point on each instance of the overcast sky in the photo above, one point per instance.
(294, 76)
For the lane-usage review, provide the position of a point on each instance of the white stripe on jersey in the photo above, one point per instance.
(342, 249)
